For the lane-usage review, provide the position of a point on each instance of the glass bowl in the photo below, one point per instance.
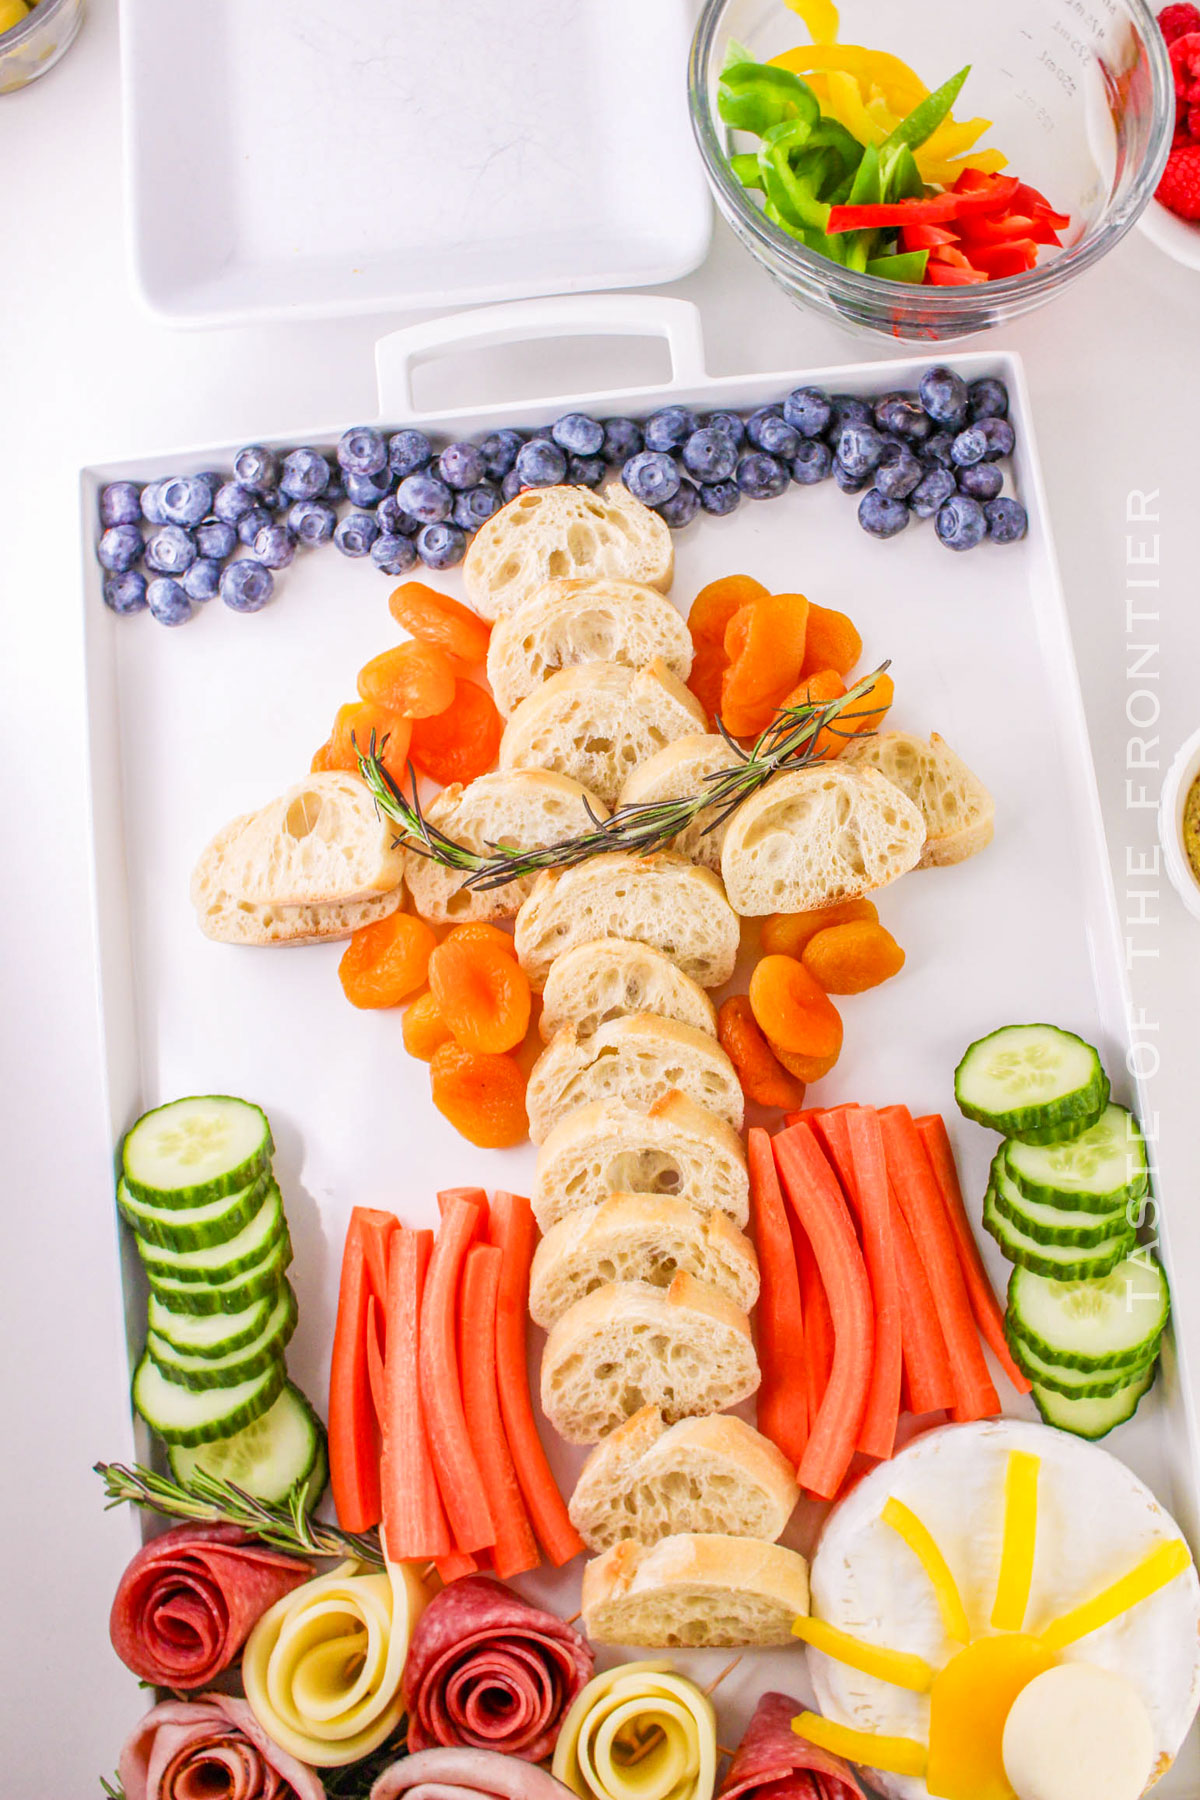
(34, 46)
(1082, 101)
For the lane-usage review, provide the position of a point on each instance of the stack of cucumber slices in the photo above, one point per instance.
(198, 1190)
(1086, 1306)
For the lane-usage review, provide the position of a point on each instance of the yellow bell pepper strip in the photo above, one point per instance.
(844, 102)
(895, 1666)
(1020, 1539)
(987, 162)
(920, 1541)
(924, 119)
(901, 86)
(1154, 1571)
(821, 17)
(894, 1755)
(955, 136)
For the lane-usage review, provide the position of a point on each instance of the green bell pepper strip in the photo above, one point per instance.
(755, 97)
(793, 190)
(745, 167)
(900, 174)
(867, 189)
(828, 247)
(908, 266)
(924, 119)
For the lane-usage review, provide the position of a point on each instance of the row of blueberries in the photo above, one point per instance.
(932, 454)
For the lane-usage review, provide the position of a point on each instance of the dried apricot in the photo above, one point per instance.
(461, 742)
(482, 1096)
(831, 740)
(806, 1068)
(763, 1079)
(708, 669)
(437, 619)
(482, 993)
(424, 1030)
(868, 712)
(792, 1009)
(832, 641)
(385, 962)
(322, 759)
(765, 646)
(352, 731)
(785, 934)
(415, 680)
(475, 931)
(850, 958)
(716, 604)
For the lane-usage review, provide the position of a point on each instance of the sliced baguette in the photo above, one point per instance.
(638, 1059)
(321, 842)
(638, 1237)
(523, 809)
(676, 773)
(824, 834)
(227, 920)
(684, 1349)
(596, 723)
(611, 978)
(608, 1147)
(958, 811)
(648, 1480)
(578, 621)
(555, 533)
(661, 900)
(693, 1590)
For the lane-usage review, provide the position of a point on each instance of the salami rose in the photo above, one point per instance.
(210, 1749)
(188, 1599)
(772, 1763)
(458, 1774)
(488, 1670)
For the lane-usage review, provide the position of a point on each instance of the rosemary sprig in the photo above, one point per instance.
(212, 1501)
(112, 1789)
(785, 746)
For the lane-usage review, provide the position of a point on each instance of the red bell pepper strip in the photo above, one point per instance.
(999, 261)
(459, 1480)
(783, 1393)
(1001, 229)
(942, 275)
(926, 237)
(414, 1520)
(877, 1434)
(1027, 199)
(353, 1426)
(934, 211)
(516, 1550)
(950, 257)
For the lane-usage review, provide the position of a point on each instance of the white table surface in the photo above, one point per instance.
(85, 376)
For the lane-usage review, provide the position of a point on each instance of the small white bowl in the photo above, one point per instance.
(1180, 776)
(1180, 238)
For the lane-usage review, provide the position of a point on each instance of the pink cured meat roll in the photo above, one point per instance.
(192, 1749)
(488, 1670)
(462, 1774)
(772, 1763)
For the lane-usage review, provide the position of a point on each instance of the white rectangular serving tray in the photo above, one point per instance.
(190, 727)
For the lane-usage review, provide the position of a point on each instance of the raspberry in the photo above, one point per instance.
(1179, 189)
(1185, 65)
(1193, 124)
(1177, 21)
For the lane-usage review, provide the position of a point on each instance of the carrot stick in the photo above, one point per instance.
(877, 1434)
(414, 1520)
(782, 1399)
(813, 1193)
(453, 1567)
(375, 1330)
(475, 1196)
(817, 1318)
(353, 1426)
(988, 1317)
(459, 1480)
(516, 1548)
(975, 1396)
(513, 1231)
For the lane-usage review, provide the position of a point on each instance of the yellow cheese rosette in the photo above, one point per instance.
(639, 1732)
(322, 1667)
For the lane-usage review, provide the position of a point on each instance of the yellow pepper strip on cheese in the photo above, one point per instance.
(639, 1732)
(322, 1667)
(1020, 1541)
(894, 1755)
(1162, 1565)
(898, 1667)
(906, 1524)
(821, 17)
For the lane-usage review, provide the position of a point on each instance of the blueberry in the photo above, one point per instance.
(408, 451)
(731, 423)
(511, 486)
(939, 449)
(669, 428)
(185, 500)
(251, 523)
(970, 446)
(860, 448)
(275, 546)
(232, 501)
(682, 507)
(960, 523)
(462, 466)
(540, 463)
(368, 490)
(150, 499)
(931, 492)
(274, 500)
(898, 474)
(312, 521)
(394, 554)
(362, 450)
(215, 539)
(499, 452)
(983, 481)
(850, 484)
(808, 411)
(125, 592)
(720, 497)
(335, 489)
(202, 579)
(813, 462)
(622, 439)
(246, 585)
(1000, 436)
(578, 434)
(761, 476)
(476, 506)
(426, 498)
(392, 519)
(119, 548)
(120, 503)
(441, 546)
(305, 474)
(356, 533)
(170, 550)
(768, 430)
(586, 471)
(881, 517)
(944, 396)
(903, 416)
(1007, 521)
(989, 399)
(167, 601)
(255, 467)
(710, 454)
(651, 477)
(848, 409)
(213, 477)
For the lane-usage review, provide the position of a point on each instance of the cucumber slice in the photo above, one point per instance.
(232, 1296)
(1101, 1171)
(282, 1450)
(189, 1416)
(197, 1334)
(236, 1365)
(1110, 1322)
(1026, 1078)
(1061, 1262)
(194, 1150)
(1065, 1130)
(1049, 1224)
(220, 1262)
(1093, 1418)
(193, 1227)
(1075, 1384)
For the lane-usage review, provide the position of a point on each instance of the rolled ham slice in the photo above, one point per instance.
(463, 1774)
(772, 1763)
(188, 1600)
(210, 1749)
(489, 1671)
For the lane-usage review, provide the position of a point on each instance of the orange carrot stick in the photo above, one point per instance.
(877, 1434)
(414, 1520)
(782, 1398)
(459, 1480)
(353, 1425)
(457, 1564)
(516, 1548)
(375, 1330)
(817, 1318)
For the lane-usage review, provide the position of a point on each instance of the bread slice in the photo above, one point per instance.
(556, 533)
(825, 833)
(228, 920)
(684, 1349)
(958, 811)
(611, 978)
(522, 809)
(638, 1060)
(675, 773)
(578, 621)
(596, 723)
(638, 1237)
(694, 1590)
(321, 842)
(662, 900)
(609, 1147)
(648, 1480)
